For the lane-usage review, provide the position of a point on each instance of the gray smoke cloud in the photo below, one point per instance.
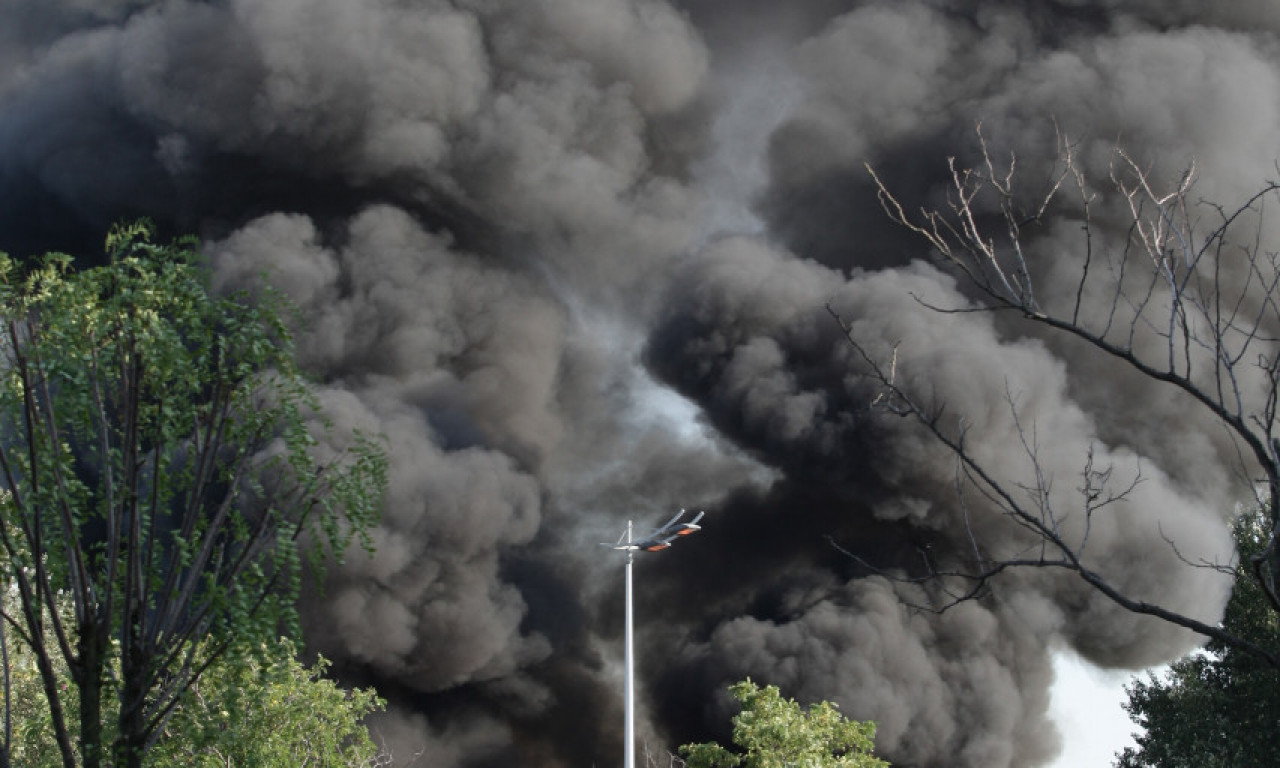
(572, 258)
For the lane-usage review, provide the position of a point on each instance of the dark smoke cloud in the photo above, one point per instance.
(572, 258)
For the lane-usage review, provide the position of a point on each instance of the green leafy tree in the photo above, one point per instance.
(29, 732)
(276, 713)
(270, 712)
(164, 481)
(775, 732)
(1219, 707)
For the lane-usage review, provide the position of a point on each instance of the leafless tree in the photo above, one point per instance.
(1190, 300)
(653, 760)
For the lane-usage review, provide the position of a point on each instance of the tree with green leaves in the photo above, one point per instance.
(163, 477)
(776, 732)
(1220, 706)
(266, 712)
(273, 713)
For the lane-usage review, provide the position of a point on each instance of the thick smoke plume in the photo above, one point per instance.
(572, 258)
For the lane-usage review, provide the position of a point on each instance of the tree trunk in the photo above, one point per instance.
(93, 644)
(49, 679)
(131, 736)
(8, 708)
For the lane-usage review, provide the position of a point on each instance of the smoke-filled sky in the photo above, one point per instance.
(572, 258)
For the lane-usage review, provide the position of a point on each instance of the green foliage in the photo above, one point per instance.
(271, 712)
(775, 732)
(274, 714)
(33, 739)
(1218, 707)
(167, 476)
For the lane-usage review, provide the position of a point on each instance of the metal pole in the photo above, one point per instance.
(629, 731)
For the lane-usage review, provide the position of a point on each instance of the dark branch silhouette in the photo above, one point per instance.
(1184, 283)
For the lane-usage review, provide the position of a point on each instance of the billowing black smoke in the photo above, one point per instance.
(516, 229)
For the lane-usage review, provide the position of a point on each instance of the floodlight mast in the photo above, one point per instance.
(629, 731)
(654, 542)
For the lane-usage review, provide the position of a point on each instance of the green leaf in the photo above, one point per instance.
(775, 732)
(168, 470)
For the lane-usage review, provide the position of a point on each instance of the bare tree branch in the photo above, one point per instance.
(1183, 282)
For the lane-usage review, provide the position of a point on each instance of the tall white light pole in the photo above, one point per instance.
(629, 730)
(654, 542)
